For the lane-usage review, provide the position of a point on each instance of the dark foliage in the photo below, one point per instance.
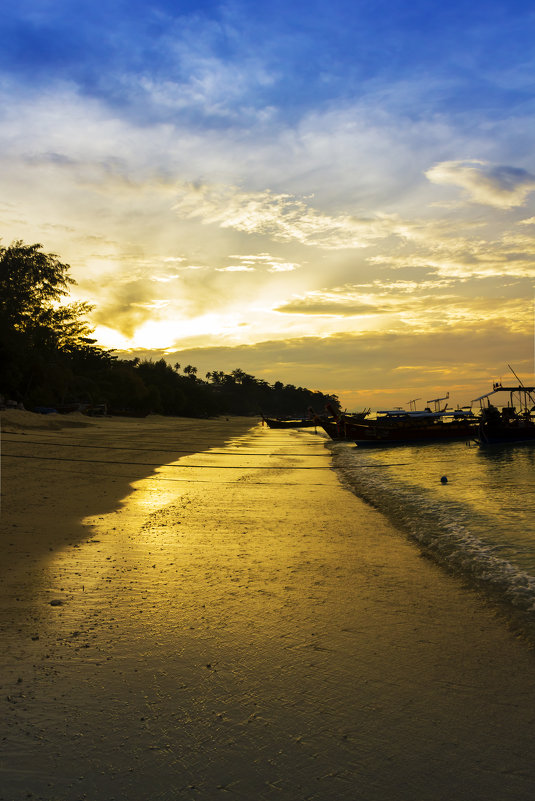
(48, 358)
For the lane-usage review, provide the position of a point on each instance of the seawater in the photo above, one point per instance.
(479, 523)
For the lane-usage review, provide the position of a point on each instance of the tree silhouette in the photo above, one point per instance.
(48, 357)
(32, 286)
(190, 371)
(30, 281)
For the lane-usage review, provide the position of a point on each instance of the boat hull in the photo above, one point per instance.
(496, 434)
(374, 436)
(275, 423)
(342, 428)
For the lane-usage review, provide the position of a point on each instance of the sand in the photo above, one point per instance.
(234, 623)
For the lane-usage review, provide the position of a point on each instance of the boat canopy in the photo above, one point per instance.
(524, 394)
(413, 414)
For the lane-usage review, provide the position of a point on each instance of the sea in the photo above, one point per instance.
(471, 509)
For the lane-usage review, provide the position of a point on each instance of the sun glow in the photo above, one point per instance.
(167, 333)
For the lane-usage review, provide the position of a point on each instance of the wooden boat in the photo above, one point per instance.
(508, 424)
(341, 426)
(289, 422)
(415, 428)
(399, 426)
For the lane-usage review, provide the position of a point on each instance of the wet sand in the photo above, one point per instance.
(236, 624)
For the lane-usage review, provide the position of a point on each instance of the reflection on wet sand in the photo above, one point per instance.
(240, 623)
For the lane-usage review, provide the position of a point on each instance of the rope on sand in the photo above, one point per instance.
(145, 450)
(192, 466)
(159, 464)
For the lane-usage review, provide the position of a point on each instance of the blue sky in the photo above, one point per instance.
(464, 57)
(335, 194)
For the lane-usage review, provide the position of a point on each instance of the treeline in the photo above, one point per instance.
(48, 358)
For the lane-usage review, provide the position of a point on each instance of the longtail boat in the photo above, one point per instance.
(289, 422)
(340, 426)
(513, 423)
(399, 426)
(408, 428)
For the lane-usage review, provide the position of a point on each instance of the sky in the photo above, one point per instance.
(336, 194)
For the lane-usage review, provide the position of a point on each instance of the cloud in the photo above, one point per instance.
(125, 308)
(344, 301)
(213, 88)
(455, 249)
(378, 367)
(282, 267)
(74, 170)
(428, 305)
(500, 186)
(273, 264)
(282, 217)
(328, 308)
(236, 268)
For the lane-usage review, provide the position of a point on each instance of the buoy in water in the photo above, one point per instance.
(444, 480)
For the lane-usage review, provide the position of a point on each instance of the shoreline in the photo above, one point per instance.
(508, 587)
(94, 459)
(238, 621)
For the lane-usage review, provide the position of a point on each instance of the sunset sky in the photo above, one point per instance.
(338, 194)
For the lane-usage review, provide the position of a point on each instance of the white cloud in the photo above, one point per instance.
(282, 267)
(273, 264)
(236, 268)
(99, 189)
(501, 186)
(282, 217)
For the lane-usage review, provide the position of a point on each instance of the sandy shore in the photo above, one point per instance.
(235, 624)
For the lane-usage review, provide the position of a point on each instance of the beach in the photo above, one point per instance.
(198, 609)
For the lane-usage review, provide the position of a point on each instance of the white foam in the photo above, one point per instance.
(443, 527)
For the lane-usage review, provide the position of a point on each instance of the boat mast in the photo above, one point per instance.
(524, 393)
(436, 401)
(412, 404)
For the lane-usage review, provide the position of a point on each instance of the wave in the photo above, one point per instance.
(450, 532)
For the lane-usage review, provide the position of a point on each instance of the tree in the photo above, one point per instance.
(45, 343)
(32, 286)
(30, 282)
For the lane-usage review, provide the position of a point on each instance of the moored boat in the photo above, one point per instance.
(513, 423)
(341, 426)
(416, 428)
(399, 426)
(289, 422)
